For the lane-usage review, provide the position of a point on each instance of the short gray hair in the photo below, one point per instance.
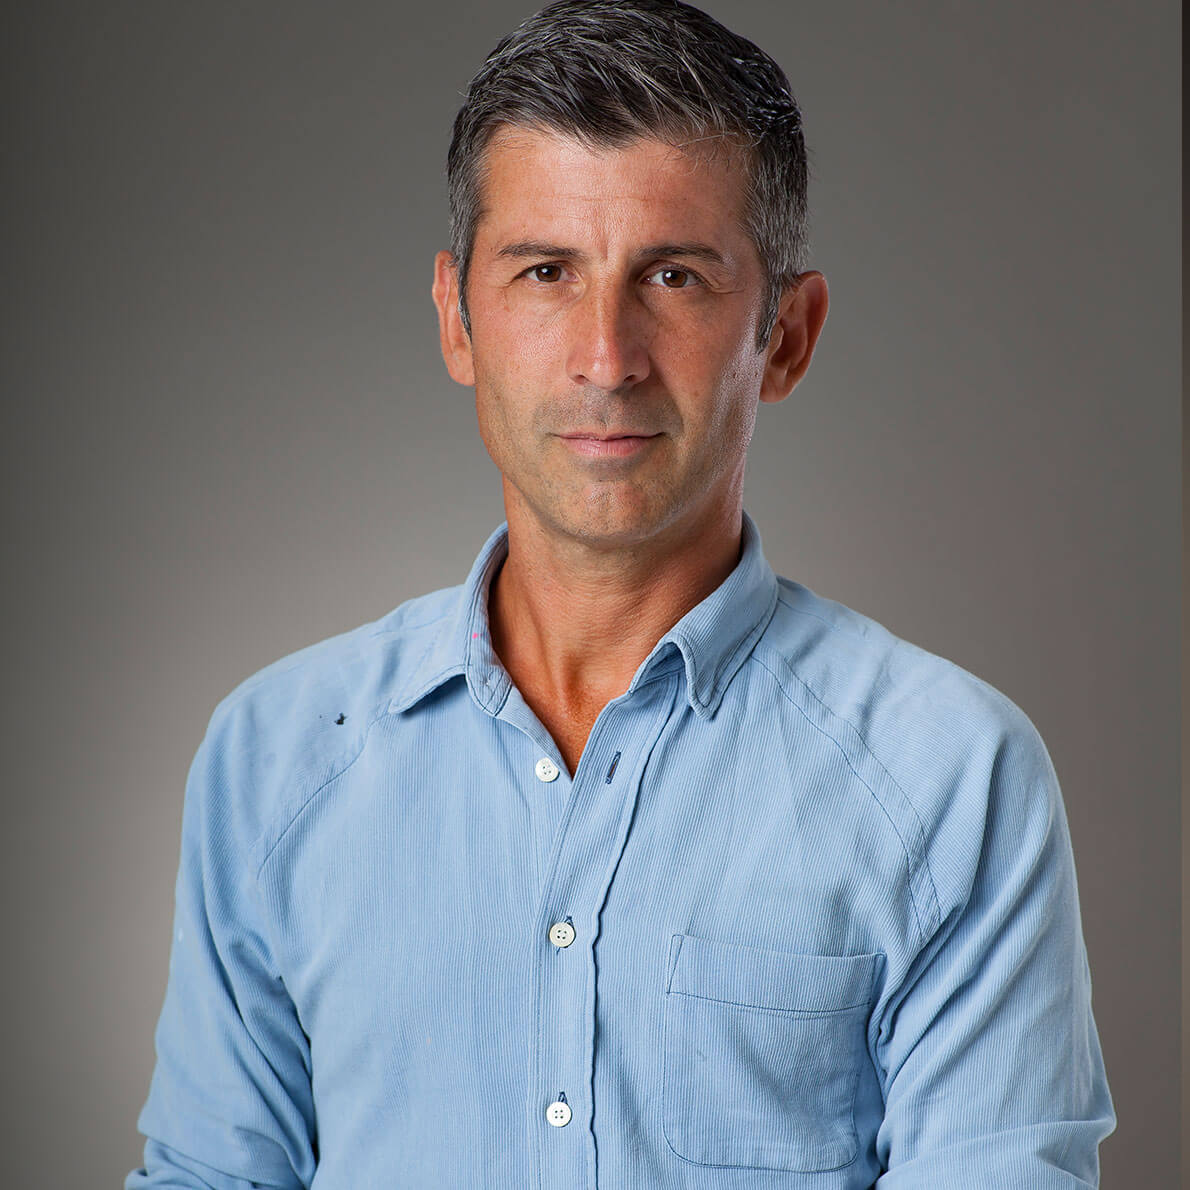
(608, 72)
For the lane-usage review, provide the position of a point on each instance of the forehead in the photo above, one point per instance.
(536, 181)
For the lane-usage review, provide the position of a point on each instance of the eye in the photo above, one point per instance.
(672, 278)
(546, 272)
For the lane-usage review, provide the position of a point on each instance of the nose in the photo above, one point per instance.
(609, 339)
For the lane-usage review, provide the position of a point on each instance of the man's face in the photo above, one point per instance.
(614, 298)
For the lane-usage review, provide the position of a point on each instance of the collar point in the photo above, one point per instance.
(705, 705)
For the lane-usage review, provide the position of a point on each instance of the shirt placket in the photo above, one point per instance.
(586, 822)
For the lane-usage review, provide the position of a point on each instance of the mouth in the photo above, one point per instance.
(607, 446)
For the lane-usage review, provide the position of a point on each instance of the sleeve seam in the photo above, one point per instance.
(923, 859)
(334, 775)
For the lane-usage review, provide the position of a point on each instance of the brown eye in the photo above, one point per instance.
(546, 272)
(674, 278)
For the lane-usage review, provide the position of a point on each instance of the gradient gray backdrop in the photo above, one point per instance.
(230, 434)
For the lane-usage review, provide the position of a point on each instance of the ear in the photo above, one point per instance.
(799, 323)
(456, 343)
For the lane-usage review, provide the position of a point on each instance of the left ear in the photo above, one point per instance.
(799, 323)
(456, 343)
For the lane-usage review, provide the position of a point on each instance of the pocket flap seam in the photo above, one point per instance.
(755, 977)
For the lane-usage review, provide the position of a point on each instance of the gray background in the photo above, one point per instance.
(229, 434)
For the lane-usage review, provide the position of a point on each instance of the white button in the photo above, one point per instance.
(558, 1113)
(561, 933)
(546, 770)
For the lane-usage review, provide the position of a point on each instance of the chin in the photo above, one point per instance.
(618, 528)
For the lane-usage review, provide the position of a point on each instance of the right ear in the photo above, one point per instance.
(456, 343)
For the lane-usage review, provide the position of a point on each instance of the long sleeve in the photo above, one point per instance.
(230, 1105)
(823, 901)
(994, 1075)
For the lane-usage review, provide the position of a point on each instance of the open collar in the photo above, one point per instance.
(712, 640)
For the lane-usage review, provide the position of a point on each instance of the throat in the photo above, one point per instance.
(569, 722)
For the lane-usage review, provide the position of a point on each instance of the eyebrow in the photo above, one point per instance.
(691, 251)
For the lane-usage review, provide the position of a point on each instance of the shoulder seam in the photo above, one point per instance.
(334, 775)
(799, 611)
(924, 858)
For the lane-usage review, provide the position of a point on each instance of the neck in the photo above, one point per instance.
(572, 621)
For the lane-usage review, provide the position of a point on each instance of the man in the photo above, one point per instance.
(626, 863)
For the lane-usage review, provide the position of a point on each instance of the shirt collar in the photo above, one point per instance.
(712, 640)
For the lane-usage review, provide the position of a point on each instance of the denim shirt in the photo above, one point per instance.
(805, 916)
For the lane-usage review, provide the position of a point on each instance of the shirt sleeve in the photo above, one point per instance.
(993, 1074)
(230, 1105)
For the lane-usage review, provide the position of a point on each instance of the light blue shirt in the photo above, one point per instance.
(805, 916)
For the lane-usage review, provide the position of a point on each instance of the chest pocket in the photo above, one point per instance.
(762, 1053)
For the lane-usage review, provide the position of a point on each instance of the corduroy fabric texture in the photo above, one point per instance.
(825, 921)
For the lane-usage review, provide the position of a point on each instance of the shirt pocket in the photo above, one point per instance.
(762, 1052)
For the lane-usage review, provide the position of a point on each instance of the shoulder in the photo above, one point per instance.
(880, 683)
(349, 674)
(942, 750)
(295, 724)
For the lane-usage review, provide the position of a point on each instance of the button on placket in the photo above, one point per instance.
(561, 934)
(558, 1112)
(587, 829)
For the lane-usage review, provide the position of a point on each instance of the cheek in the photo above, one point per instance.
(489, 408)
(730, 437)
(709, 339)
(512, 348)
(504, 414)
(729, 413)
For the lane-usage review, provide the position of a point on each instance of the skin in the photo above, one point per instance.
(614, 299)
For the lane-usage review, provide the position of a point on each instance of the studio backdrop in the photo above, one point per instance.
(229, 434)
